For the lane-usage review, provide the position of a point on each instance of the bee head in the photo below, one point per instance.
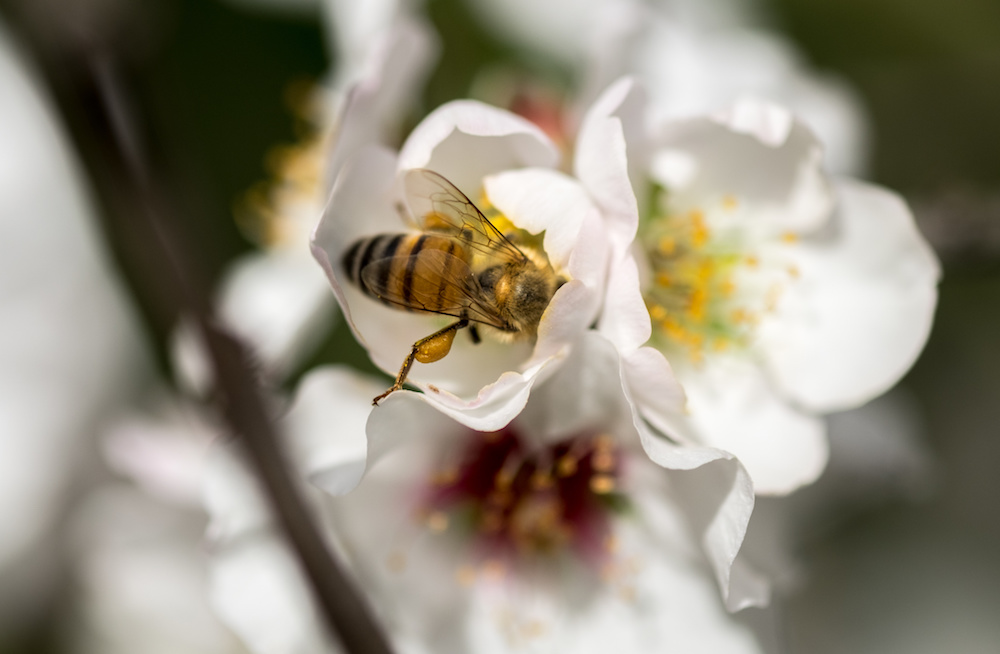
(522, 292)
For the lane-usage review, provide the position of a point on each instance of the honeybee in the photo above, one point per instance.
(460, 265)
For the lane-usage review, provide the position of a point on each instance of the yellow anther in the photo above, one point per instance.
(566, 466)
(494, 569)
(699, 236)
(604, 442)
(602, 484)
(729, 203)
(794, 272)
(789, 237)
(445, 477)
(657, 312)
(437, 521)
(534, 629)
(667, 245)
(603, 461)
(752, 261)
(541, 480)
(663, 279)
(696, 306)
(727, 288)
(465, 575)
(773, 295)
(499, 497)
(673, 329)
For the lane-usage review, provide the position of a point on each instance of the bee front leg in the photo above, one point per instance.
(474, 335)
(427, 350)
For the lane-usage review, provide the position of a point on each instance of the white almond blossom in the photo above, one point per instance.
(506, 165)
(693, 56)
(275, 298)
(777, 292)
(139, 578)
(554, 534)
(69, 345)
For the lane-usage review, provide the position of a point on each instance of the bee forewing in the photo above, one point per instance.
(431, 281)
(440, 207)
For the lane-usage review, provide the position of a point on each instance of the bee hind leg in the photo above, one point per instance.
(427, 350)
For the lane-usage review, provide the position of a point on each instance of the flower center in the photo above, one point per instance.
(281, 210)
(519, 502)
(708, 286)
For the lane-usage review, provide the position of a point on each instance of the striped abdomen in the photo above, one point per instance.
(409, 272)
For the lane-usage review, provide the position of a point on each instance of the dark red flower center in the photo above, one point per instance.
(528, 501)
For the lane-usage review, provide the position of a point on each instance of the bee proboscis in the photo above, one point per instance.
(459, 265)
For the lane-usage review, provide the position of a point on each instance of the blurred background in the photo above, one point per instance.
(902, 558)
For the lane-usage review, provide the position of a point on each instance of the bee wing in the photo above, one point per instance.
(441, 207)
(432, 281)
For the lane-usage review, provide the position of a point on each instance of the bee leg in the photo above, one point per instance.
(427, 350)
(474, 333)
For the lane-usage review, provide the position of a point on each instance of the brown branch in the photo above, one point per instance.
(88, 89)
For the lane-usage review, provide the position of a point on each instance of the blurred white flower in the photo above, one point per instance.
(69, 347)
(777, 292)
(275, 298)
(556, 533)
(507, 166)
(140, 578)
(693, 57)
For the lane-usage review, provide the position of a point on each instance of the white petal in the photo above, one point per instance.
(356, 27)
(861, 310)
(757, 154)
(232, 497)
(466, 140)
(651, 384)
(555, 28)
(140, 582)
(583, 395)
(731, 406)
(325, 426)
(690, 70)
(492, 408)
(408, 570)
(716, 494)
(382, 90)
(69, 346)
(610, 153)
(257, 588)
(625, 319)
(280, 303)
(163, 453)
(541, 199)
(361, 205)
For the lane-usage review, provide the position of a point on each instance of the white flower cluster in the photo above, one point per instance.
(719, 291)
(583, 482)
